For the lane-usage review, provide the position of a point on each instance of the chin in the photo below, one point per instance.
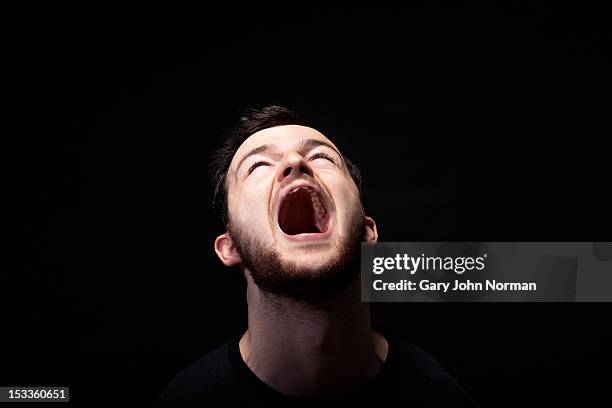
(308, 263)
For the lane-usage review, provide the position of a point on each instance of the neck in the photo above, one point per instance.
(311, 350)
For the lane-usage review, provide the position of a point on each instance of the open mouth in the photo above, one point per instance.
(302, 211)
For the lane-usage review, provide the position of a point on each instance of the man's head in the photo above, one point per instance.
(291, 205)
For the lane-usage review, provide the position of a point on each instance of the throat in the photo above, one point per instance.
(306, 370)
(309, 352)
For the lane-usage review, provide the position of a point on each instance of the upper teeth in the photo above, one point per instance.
(316, 202)
(301, 188)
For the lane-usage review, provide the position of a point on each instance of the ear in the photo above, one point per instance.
(226, 250)
(371, 234)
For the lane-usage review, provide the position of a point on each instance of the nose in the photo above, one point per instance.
(294, 166)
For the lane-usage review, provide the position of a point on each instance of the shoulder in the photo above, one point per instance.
(210, 378)
(412, 365)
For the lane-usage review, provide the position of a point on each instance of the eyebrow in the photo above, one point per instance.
(261, 149)
(304, 145)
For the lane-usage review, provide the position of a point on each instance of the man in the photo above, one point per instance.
(292, 208)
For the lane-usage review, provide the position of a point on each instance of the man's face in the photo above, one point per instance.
(292, 201)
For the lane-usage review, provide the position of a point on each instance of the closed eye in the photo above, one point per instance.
(257, 164)
(321, 155)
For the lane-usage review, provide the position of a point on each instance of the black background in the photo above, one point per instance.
(468, 124)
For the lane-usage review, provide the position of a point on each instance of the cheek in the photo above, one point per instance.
(343, 190)
(351, 205)
(250, 207)
(346, 197)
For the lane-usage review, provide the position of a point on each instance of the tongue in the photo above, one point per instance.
(297, 214)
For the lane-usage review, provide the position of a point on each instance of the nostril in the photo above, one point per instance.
(287, 171)
(305, 170)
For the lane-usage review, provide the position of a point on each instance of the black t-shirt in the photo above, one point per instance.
(409, 376)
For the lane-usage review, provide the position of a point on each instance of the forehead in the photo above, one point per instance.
(282, 137)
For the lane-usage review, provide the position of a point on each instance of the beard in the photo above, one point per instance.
(286, 279)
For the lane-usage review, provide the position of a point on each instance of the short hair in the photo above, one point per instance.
(250, 122)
